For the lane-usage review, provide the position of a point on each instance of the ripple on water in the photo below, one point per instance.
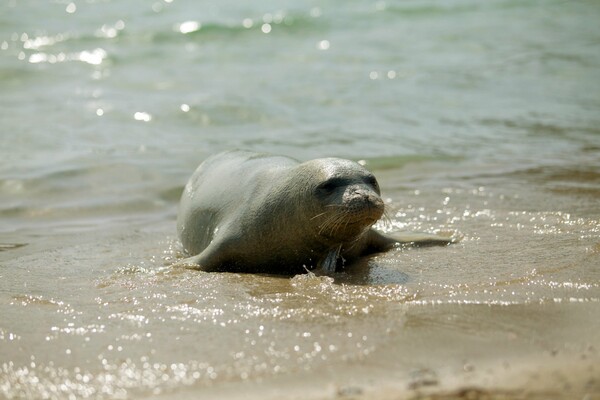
(154, 333)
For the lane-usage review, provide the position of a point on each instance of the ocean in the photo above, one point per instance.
(479, 118)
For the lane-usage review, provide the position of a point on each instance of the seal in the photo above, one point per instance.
(260, 213)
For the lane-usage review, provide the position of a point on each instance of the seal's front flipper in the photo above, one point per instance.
(206, 261)
(190, 262)
(212, 259)
(329, 263)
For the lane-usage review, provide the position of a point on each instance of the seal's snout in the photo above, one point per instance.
(363, 205)
(349, 207)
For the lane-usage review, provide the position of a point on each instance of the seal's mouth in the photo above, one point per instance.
(348, 213)
(364, 211)
(348, 222)
(364, 217)
(365, 221)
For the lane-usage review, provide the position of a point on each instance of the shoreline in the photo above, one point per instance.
(550, 381)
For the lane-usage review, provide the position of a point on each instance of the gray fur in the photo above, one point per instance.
(250, 212)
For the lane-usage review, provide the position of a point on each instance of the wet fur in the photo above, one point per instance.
(250, 212)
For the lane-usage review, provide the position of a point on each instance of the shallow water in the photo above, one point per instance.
(476, 118)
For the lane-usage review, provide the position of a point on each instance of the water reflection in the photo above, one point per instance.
(93, 57)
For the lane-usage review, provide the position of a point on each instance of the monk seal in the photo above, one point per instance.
(250, 212)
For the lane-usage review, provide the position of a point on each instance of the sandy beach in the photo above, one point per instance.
(478, 119)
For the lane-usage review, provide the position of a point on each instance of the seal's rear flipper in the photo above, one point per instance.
(378, 241)
(425, 239)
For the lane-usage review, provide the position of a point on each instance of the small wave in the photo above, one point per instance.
(568, 180)
(84, 193)
(566, 174)
(289, 24)
(530, 127)
(11, 246)
(445, 9)
(171, 194)
(427, 10)
(28, 299)
(395, 162)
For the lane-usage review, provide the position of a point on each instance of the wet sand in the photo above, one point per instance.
(477, 117)
(510, 312)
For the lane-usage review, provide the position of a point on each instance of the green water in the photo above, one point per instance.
(476, 117)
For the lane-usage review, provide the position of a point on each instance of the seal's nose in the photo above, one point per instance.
(362, 194)
(363, 203)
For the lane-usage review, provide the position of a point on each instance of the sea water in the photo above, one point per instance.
(479, 118)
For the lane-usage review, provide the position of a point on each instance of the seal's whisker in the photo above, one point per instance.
(327, 223)
(342, 221)
(333, 223)
(387, 221)
(331, 219)
(336, 223)
(318, 215)
(357, 239)
(322, 228)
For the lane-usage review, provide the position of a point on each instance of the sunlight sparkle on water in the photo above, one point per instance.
(266, 28)
(108, 31)
(188, 27)
(142, 116)
(93, 57)
(40, 41)
(247, 23)
(323, 45)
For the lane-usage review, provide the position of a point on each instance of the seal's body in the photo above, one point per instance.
(249, 212)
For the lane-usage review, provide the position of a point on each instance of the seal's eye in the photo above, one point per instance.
(330, 185)
(370, 180)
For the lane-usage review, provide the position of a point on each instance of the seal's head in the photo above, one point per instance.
(346, 198)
